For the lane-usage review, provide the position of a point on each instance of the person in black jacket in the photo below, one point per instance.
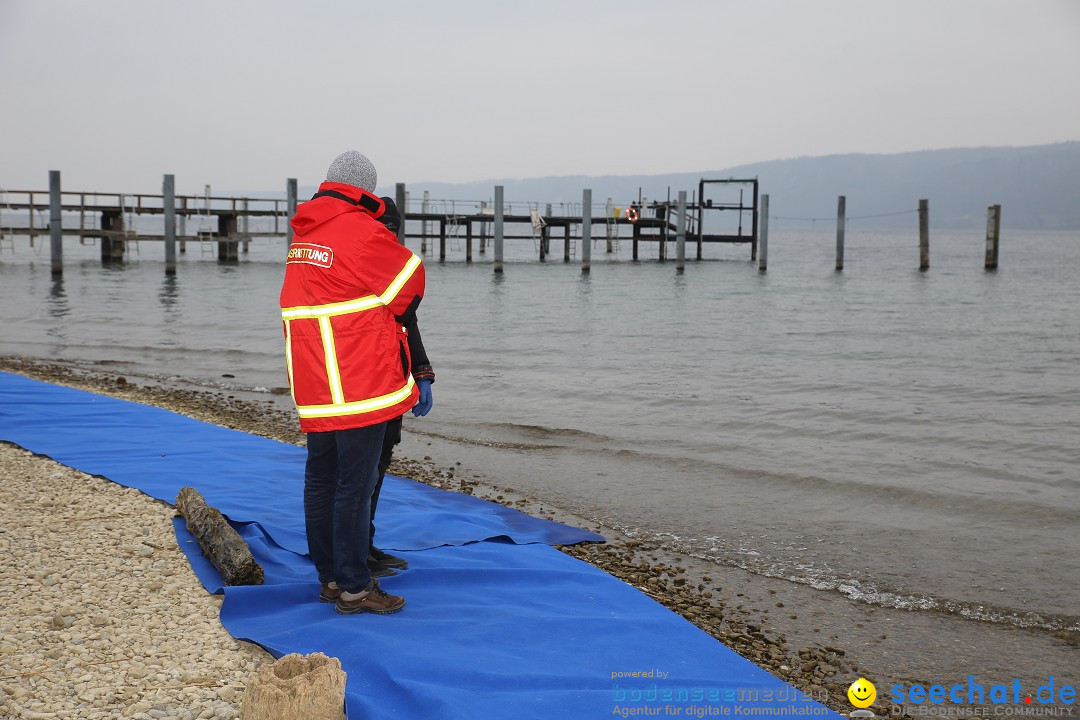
(382, 563)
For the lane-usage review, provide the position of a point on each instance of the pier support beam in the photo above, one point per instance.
(227, 242)
(168, 191)
(993, 230)
(586, 230)
(483, 227)
(399, 200)
(754, 221)
(290, 205)
(112, 240)
(245, 225)
(841, 217)
(566, 242)
(56, 229)
(468, 241)
(498, 228)
(924, 234)
(763, 242)
(680, 233)
(424, 208)
(183, 224)
(442, 240)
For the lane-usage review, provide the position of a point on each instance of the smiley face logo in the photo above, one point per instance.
(862, 693)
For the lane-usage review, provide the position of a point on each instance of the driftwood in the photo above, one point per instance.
(221, 545)
(296, 687)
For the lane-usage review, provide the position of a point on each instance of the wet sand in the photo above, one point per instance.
(820, 642)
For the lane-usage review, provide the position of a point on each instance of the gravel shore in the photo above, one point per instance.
(104, 617)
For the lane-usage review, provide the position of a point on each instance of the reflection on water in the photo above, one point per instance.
(169, 295)
(58, 302)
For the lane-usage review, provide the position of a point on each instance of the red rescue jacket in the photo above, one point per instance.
(347, 280)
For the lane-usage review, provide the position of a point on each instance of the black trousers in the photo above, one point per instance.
(390, 439)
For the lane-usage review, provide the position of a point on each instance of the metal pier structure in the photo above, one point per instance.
(225, 225)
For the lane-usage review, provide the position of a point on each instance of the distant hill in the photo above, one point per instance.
(1038, 187)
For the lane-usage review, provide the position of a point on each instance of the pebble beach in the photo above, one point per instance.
(105, 618)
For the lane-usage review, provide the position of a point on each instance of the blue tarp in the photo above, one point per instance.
(498, 623)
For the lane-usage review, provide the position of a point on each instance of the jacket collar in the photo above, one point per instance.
(364, 200)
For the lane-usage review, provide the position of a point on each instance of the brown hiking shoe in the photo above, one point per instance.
(329, 592)
(373, 599)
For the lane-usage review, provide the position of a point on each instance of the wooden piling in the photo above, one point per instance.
(227, 242)
(399, 200)
(754, 226)
(663, 233)
(424, 208)
(993, 230)
(680, 234)
(112, 242)
(183, 224)
(168, 190)
(56, 218)
(636, 235)
(483, 227)
(586, 230)
(841, 218)
(468, 241)
(498, 228)
(566, 242)
(245, 225)
(442, 240)
(607, 221)
(290, 209)
(924, 234)
(763, 235)
(547, 235)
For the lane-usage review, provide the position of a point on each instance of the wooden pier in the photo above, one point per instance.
(115, 220)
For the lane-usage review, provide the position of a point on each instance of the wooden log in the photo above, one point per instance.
(296, 687)
(221, 545)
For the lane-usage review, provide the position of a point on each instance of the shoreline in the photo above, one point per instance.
(819, 644)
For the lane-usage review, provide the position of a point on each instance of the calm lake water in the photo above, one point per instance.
(909, 439)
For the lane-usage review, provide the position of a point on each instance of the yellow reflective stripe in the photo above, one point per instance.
(360, 406)
(339, 308)
(403, 277)
(288, 357)
(360, 304)
(333, 376)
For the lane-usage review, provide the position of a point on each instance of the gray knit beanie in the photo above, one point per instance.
(352, 168)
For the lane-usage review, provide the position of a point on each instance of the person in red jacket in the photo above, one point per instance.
(349, 288)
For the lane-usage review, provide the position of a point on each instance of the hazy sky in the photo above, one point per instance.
(241, 95)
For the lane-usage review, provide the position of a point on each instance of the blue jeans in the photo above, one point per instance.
(341, 472)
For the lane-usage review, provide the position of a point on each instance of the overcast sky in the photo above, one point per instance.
(241, 95)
